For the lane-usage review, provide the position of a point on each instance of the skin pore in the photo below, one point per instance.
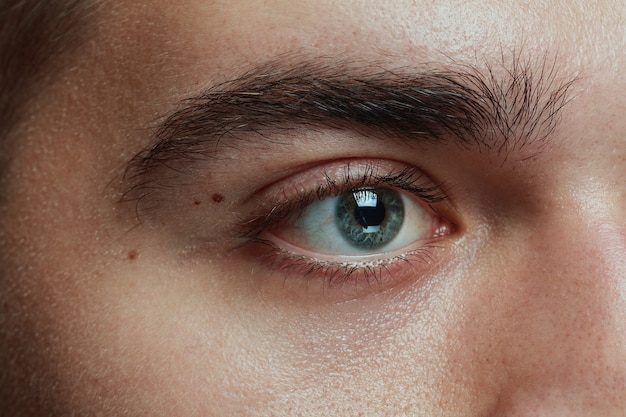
(154, 260)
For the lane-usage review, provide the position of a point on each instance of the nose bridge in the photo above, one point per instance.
(568, 348)
(579, 255)
(579, 288)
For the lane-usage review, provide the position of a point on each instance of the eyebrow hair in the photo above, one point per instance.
(499, 109)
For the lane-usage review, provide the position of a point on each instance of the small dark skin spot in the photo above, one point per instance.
(132, 255)
(197, 203)
(218, 198)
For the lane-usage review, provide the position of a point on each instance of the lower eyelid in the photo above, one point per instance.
(328, 282)
(384, 269)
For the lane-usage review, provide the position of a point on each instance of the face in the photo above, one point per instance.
(322, 208)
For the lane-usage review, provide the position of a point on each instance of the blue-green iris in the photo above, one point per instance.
(370, 218)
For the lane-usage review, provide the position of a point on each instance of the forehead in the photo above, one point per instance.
(148, 56)
(402, 30)
(164, 52)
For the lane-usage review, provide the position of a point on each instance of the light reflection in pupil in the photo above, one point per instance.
(369, 211)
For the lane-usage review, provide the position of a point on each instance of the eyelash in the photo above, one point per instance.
(407, 179)
(272, 213)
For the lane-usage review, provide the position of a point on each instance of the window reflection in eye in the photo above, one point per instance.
(357, 221)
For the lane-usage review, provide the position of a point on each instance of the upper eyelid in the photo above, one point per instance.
(338, 175)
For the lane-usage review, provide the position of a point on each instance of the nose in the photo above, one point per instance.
(562, 347)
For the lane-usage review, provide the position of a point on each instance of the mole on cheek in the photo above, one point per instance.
(218, 198)
(132, 255)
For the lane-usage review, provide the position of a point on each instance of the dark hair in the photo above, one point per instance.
(33, 35)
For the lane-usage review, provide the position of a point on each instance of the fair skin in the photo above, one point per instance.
(518, 307)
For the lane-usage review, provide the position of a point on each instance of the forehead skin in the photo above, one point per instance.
(101, 317)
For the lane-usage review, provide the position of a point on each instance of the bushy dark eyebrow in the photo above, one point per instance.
(500, 109)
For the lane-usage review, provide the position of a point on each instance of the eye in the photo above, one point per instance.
(358, 223)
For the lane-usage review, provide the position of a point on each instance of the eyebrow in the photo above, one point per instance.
(499, 109)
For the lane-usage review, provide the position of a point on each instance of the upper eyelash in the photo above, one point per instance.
(408, 179)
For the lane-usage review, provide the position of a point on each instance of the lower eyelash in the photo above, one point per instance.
(337, 274)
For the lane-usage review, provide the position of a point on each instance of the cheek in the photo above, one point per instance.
(157, 340)
(132, 330)
(142, 341)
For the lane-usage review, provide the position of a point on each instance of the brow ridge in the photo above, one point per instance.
(460, 104)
